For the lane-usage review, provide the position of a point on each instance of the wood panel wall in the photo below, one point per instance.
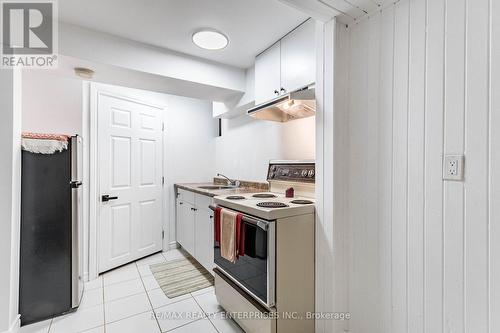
(422, 254)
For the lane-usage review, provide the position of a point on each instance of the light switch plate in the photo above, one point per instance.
(453, 167)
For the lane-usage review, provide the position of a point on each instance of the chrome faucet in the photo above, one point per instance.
(232, 182)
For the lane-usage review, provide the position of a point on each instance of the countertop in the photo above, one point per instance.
(194, 187)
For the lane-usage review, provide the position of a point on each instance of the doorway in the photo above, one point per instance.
(127, 182)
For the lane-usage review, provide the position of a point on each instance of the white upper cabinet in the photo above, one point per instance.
(298, 57)
(288, 65)
(267, 74)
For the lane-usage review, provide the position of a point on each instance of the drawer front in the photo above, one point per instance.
(233, 301)
(187, 196)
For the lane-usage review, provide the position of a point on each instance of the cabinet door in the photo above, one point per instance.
(267, 74)
(185, 225)
(186, 196)
(298, 57)
(180, 223)
(204, 248)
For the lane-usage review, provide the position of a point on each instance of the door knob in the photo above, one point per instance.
(276, 92)
(106, 198)
(283, 90)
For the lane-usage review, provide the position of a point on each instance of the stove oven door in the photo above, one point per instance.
(255, 271)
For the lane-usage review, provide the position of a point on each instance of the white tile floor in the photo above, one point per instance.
(126, 300)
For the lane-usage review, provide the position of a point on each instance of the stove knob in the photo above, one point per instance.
(304, 173)
(271, 174)
(310, 173)
(273, 168)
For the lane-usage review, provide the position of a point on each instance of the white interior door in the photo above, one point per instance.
(130, 173)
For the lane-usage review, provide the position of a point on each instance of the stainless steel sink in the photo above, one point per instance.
(216, 187)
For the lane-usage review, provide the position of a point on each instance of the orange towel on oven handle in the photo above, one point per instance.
(239, 229)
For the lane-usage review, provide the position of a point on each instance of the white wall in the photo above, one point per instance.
(247, 145)
(10, 196)
(299, 139)
(330, 193)
(51, 103)
(424, 253)
(190, 147)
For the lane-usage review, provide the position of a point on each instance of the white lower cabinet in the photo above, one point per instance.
(185, 225)
(203, 238)
(195, 231)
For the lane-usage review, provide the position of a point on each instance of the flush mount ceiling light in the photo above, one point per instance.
(210, 39)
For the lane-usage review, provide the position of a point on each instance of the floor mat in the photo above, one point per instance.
(181, 276)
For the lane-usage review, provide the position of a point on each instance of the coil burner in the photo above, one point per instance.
(272, 204)
(264, 195)
(301, 202)
(235, 197)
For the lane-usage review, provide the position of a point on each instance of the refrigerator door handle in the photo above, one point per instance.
(77, 244)
(75, 184)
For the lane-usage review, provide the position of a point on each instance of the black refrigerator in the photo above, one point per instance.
(50, 271)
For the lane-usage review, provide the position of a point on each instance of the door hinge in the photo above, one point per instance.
(162, 181)
(163, 234)
(163, 127)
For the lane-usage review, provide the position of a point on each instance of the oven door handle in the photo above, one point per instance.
(257, 222)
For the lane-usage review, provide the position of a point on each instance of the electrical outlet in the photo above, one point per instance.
(453, 167)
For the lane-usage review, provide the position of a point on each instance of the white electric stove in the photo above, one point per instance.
(267, 205)
(276, 273)
(282, 175)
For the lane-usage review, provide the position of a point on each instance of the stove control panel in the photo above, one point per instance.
(303, 172)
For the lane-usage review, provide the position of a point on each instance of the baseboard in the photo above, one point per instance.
(14, 327)
(173, 245)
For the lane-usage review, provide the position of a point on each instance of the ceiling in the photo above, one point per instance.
(352, 10)
(346, 11)
(251, 25)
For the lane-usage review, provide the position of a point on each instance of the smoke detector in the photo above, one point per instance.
(84, 73)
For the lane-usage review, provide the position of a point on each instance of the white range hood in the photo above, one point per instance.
(294, 105)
